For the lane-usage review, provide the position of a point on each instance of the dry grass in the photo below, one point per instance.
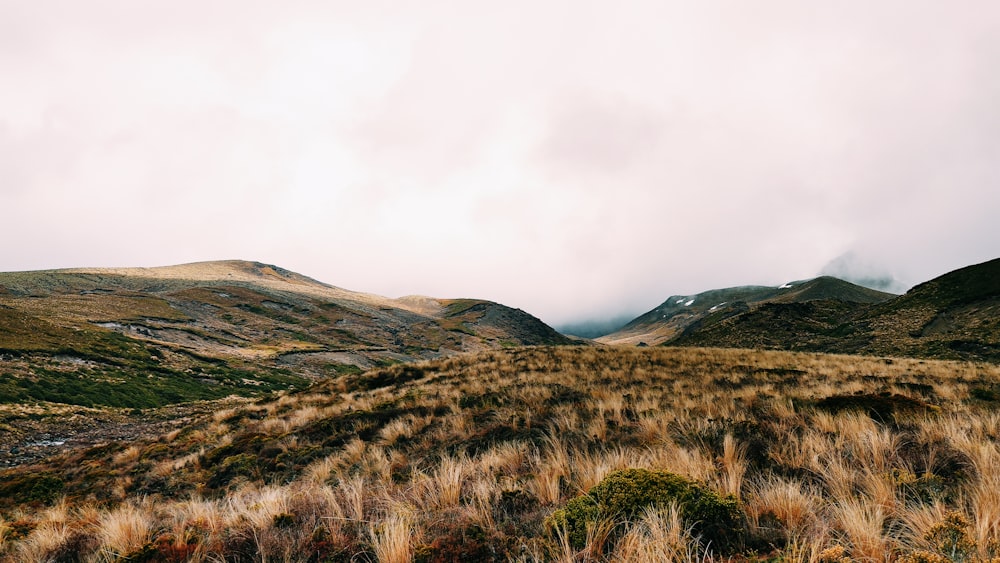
(660, 535)
(466, 463)
(125, 530)
(392, 537)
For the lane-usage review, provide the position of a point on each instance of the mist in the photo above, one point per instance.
(597, 328)
(855, 269)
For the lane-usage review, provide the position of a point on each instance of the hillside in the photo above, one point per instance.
(681, 316)
(955, 316)
(145, 337)
(510, 455)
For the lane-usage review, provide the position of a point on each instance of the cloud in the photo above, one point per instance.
(603, 137)
(574, 160)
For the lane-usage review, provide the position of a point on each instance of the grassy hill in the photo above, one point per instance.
(955, 316)
(146, 337)
(510, 455)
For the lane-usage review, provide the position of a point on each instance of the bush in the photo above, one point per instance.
(455, 543)
(240, 465)
(951, 538)
(30, 487)
(623, 495)
(46, 489)
(951, 541)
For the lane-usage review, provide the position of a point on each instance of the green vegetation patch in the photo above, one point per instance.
(124, 308)
(623, 495)
(461, 311)
(20, 331)
(455, 325)
(240, 465)
(457, 307)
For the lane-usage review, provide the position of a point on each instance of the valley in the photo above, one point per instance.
(238, 411)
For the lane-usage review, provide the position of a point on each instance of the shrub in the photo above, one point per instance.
(455, 543)
(922, 556)
(28, 487)
(951, 542)
(834, 554)
(950, 537)
(241, 465)
(46, 488)
(623, 495)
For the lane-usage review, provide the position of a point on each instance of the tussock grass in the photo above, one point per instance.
(469, 460)
(124, 530)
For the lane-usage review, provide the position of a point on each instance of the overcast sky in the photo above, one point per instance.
(574, 159)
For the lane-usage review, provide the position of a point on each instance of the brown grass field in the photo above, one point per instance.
(829, 458)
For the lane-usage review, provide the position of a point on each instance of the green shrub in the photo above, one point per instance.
(623, 495)
(46, 489)
(240, 465)
(43, 487)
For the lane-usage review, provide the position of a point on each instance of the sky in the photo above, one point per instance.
(578, 160)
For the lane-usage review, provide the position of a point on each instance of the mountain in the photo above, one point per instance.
(682, 316)
(141, 337)
(954, 316)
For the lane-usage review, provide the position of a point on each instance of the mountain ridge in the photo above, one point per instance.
(230, 271)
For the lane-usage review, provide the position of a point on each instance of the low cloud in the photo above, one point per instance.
(854, 268)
